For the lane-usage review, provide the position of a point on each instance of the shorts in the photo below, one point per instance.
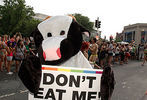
(117, 55)
(93, 58)
(9, 58)
(122, 56)
(18, 59)
(132, 54)
(110, 54)
(102, 57)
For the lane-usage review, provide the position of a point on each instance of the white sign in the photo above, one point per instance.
(62, 83)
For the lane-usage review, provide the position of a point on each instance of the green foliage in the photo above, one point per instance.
(28, 26)
(15, 16)
(118, 40)
(84, 21)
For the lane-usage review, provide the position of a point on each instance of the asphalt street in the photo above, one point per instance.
(131, 83)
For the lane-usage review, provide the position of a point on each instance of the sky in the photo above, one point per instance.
(113, 14)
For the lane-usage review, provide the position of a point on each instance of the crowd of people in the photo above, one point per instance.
(102, 53)
(13, 49)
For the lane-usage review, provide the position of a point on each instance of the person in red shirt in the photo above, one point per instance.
(10, 56)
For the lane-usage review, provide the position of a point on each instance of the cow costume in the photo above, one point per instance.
(58, 41)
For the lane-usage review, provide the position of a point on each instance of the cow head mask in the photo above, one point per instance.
(57, 39)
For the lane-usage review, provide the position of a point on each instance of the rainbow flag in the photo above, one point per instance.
(72, 70)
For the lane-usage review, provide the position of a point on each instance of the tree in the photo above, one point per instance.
(84, 21)
(28, 26)
(13, 15)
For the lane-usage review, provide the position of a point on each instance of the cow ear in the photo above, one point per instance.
(85, 31)
(37, 37)
(47, 18)
(87, 34)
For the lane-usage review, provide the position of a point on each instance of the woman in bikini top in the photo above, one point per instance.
(2, 48)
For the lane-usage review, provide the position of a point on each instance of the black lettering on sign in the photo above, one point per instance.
(50, 94)
(83, 77)
(59, 77)
(74, 81)
(91, 79)
(39, 93)
(77, 96)
(92, 95)
(60, 93)
(48, 75)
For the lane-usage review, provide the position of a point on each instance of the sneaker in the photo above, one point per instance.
(10, 73)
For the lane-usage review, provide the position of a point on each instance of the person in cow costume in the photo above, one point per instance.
(58, 41)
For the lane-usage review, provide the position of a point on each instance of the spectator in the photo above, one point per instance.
(10, 56)
(18, 36)
(84, 49)
(134, 54)
(110, 53)
(145, 55)
(94, 49)
(127, 53)
(122, 54)
(117, 55)
(32, 47)
(6, 39)
(102, 55)
(3, 50)
(20, 51)
(141, 51)
(27, 42)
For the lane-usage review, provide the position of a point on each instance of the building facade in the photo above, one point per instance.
(136, 32)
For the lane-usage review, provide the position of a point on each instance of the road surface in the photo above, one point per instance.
(131, 83)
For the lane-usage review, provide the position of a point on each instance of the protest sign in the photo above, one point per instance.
(62, 83)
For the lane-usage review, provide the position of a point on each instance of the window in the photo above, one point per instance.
(142, 36)
(134, 35)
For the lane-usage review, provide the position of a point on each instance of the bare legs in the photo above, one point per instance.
(17, 65)
(110, 60)
(102, 63)
(9, 66)
(145, 57)
(1, 63)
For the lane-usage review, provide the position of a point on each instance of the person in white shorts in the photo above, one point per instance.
(9, 57)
